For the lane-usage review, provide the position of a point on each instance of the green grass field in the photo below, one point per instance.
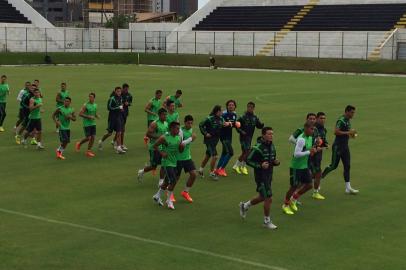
(93, 214)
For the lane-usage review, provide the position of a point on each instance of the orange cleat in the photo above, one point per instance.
(59, 155)
(186, 196)
(221, 172)
(77, 146)
(172, 198)
(90, 154)
(146, 140)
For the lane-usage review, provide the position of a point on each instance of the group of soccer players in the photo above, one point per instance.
(29, 123)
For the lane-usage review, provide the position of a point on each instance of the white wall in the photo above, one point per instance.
(164, 27)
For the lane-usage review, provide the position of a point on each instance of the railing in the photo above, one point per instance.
(343, 45)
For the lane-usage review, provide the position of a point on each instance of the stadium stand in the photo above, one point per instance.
(9, 14)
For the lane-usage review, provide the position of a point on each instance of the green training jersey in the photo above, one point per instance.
(64, 113)
(343, 124)
(4, 91)
(156, 104)
(171, 148)
(161, 129)
(90, 110)
(302, 162)
(36, 113)
(175, 100)
(186, 155)
(63, 95)
(174, 117)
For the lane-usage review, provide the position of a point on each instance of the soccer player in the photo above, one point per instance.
(60, 97)
(262, 158)
(300, 178)
(311, 118)
(155, 130)
(4, 92)
(185, 161)
(249, 121)
(211, 129)
(89, 115)
(127, 102)
(341, 150)
(320, 140)
(22, 92)
(152, 107)
(62, 117)
(169, 146)
(226, 137)
(115, 120)
(25, 104)
(173, 115)
(176, 99)
(34, 126)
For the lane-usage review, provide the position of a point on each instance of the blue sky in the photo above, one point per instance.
(202, 2)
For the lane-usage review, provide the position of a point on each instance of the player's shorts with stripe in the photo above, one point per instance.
(186, 165)
(115, 124)
(245, 143)
(299, 176)
(34, 124)
(155, 158)
(170, 175)
(263, 179)
(64, 136)
(90, 131)
(211, 145)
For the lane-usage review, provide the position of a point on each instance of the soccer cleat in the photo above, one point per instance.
(120, 150)
(351, 191)
(243, 210)
(90, 154)
(293, 206)
(140, 175)
(77, 146)
(187, 197)
(224, 173)
(221, 172)
(18, 139)
(24, 143)
(286, 209)
(244, 170)
(158, 200)
(100, 145)
(172, 198)
(237, 169)
(33, 141)
(318, 196)
(57, 130)
(214, 176)
(170, 205)
(201, 173)
(59, 155)
(124, 147)
(40, 147)
(2, 129)
(270, 226)
(160, 182)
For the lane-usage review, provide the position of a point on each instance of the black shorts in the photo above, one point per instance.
(115, 124)
(21, 114)
(124, 116)
(155, 158)
(300, 176)
(263, 179)
(315, 163)
(186, 165)
(170, 175)
(245, 143)
(34, 124)
(211, 145)
(25, 116)
(64, 136)
(90, 131)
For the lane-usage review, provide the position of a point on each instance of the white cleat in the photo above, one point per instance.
(270, 226)
(160, 182)
(351, 191)
(201, 173)
(214, 176)
(100, 145)
(120, 150)
(158, 200)
(243, 211)
(40, 147)
(124, 147)
(170, 205)
(140, 175)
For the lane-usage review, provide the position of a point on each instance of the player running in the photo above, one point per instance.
(341, 149)
(248, 121)
(155, 130)
(89, 115)
(115, 120)
(152, 107)
(34, 126)
(4, 92)
(173, 115)
(263, 159)
(127, 102)
(211, 129)
(311, 118)
(320, 140)
(226, 137)
(185, 161)
(300, 178)
(169, 146)
(60, 97)
(176, 99)
(25, 104)
(62, 117)
(20, 95)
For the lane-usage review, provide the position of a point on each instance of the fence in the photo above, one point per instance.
(351, 45)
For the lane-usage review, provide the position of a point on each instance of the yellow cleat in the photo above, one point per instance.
(244, 170)
(293, 206)
(18, 139)
(286, 209)
(318, 196)
(237, 169)
(2, 129)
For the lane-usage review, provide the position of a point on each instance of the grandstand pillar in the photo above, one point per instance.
(5, 37)
(46, 41)
(145, 41)
(83, 40)
(274, 44)
(214, 43)
(253, 43)
(177, 42)
(233, 41)
(64, 39)
(296, 44)
(26, 39)
(195, 42)
(393, 45)
(131, 41)
(342, 45)
(318, 46)
(366, 53)
(99, 40)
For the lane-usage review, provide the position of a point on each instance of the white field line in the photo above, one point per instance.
(144, 240)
